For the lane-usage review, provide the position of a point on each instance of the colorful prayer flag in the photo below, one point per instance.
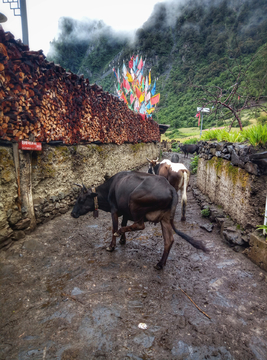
(198, 115)
(155, 99)
(140, 65)
(153, 91)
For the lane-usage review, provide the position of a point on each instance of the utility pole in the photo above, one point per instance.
(19, 9)
(202, 110)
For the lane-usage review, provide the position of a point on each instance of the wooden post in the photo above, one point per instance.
(26, 186)
(17, 170)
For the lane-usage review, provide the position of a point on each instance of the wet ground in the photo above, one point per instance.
(63, 296)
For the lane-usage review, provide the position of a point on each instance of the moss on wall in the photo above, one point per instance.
(240, 194)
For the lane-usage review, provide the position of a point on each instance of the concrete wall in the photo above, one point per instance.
(44, 185)
(240, 194)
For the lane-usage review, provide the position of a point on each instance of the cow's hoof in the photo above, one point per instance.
(158, 266)
(116, 234)
(183, 219)
(122, 241)
(110, 248)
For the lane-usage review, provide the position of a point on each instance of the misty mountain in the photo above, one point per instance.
(183, 42)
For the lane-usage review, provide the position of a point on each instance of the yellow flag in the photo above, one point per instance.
(142, 98)
(129, 77)
(149, 78)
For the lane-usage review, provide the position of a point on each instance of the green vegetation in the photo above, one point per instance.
(206, 44)
(194, 165)
(205, 212)
(255, 135)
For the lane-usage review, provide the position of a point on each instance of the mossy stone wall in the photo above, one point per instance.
(241, 195)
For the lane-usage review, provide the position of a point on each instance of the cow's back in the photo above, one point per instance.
(141, 190)
(173, 172)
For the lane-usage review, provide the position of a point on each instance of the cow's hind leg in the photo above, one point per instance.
(112, 245)
(123, 237)
(167, 233)
(184, 195)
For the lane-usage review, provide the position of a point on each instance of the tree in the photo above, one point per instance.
(239, 90)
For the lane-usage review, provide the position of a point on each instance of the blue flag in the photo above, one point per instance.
(153, 91)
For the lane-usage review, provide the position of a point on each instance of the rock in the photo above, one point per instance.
(5, 234)
(15, 218)
(18, 235)
(208, 227)
(252, 168)
(257, 251)
(233, 237)
(3, 219)
(61, 195)
(23, 224)
(215, 213)
(226, 157)
(64, 209)
(235, 160)
(213, 151)
(220, 146)
(49, 208)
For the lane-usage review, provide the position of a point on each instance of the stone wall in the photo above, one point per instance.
(44, 186)
(240, 194)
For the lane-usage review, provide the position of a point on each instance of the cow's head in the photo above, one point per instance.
(152, 164)
(84, 203)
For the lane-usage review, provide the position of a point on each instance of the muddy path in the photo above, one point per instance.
(63, 296)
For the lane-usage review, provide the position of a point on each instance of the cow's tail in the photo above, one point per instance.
(196, 243)
(184, 196)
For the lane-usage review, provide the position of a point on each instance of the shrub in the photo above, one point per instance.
(194, 165)
(190, 141)
(256, 135)
(205, 212)
(262, 120)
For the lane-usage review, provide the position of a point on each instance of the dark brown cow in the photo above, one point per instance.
(189, 148)
(177, 175)
(138, 197)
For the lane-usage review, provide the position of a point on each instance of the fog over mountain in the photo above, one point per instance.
(183, 42)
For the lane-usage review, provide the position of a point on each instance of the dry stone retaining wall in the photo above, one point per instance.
(231, 180)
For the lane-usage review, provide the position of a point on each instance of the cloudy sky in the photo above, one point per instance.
(43, 16)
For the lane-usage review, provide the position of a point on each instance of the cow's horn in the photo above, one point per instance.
(84, 188)
(157, 159)
(78, 185)
(148, 160)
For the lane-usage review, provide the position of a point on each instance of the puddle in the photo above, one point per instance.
(187, 352)
(144, 339)
(227, 263)
(63, 314)
(77, 291)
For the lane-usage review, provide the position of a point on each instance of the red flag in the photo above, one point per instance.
(124, 98)
(140, 65)
(155, 99)
(198, 116)
(138, 92)
(131, 63)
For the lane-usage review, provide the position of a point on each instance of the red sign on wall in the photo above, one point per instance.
(30, 145)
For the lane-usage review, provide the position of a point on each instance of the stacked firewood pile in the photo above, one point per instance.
(40, 101)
